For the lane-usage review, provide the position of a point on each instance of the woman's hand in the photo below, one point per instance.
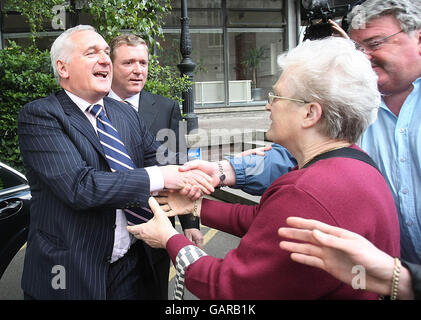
(173, 203)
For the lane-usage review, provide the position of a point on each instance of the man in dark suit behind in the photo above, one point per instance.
(130, 57)
(78, 245)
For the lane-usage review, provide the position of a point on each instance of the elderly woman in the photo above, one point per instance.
(325, 98)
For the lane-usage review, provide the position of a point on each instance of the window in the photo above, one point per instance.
(254, 4)
(207, 54)
(10, 179)
(253, 57)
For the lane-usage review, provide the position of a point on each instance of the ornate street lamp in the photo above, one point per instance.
(187, 67)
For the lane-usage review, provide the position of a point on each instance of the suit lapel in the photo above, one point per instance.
(147, 108)
(79, 121)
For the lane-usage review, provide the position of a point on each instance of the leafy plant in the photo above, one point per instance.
(35, 12)
(166, 81)
(144, 17)
(252, 61)
(25, 75)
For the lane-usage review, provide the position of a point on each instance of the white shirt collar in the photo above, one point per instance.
(133, 100)
(82, 104)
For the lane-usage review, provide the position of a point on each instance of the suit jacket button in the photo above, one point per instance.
(108, 259)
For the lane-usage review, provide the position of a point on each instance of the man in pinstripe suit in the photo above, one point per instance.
(77, 230)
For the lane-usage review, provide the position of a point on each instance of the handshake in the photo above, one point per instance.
(198, 177)
(184, 187)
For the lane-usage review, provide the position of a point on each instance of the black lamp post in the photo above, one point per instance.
(187, 67)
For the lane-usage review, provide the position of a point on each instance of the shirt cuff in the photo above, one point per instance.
(156, 178)
(239, 166)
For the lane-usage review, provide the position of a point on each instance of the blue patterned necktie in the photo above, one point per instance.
(117, 157)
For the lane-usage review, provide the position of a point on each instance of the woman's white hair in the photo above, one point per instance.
(335, 74)
(62, 48)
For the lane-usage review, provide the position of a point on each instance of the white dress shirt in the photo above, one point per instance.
(122, 238)
(133, 100)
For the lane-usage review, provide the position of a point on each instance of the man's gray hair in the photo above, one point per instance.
(407, 12)
(62, 49)
(340, 78)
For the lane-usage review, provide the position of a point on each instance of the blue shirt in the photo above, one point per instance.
(394, 143)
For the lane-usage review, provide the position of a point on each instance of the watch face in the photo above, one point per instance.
(222, 176)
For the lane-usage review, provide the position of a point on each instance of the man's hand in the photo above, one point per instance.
(212, 170)
(338, 30)
(156, 231)
(196, 181)
(257, 151)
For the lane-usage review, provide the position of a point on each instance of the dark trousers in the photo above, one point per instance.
(127, 277)
(130, 277)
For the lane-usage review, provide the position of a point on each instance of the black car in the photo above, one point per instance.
(15, 196)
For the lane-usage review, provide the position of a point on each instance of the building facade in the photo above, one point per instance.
(235, 45)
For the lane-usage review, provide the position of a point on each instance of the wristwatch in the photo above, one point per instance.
(222, 176)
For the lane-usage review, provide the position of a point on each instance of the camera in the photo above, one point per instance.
(316, 14)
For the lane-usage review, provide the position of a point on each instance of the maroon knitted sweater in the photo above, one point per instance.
(342, 192)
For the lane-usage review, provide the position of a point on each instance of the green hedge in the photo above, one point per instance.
(26, 75)
(166, 81)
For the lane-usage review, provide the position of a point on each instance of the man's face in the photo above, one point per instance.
(130, 68)
(88, 74)
(397, 61)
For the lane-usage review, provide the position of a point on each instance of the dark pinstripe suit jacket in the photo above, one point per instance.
(74, 196)
(163, 113)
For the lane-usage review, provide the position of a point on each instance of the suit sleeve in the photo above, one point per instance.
(231, 218)
(56, 156)
(179, 128)
(150, 146)
(175, 133)
(176, 124)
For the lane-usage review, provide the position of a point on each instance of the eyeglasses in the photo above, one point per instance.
(272, 97)
(375, 44)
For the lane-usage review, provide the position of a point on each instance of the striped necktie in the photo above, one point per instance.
(117, 157)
